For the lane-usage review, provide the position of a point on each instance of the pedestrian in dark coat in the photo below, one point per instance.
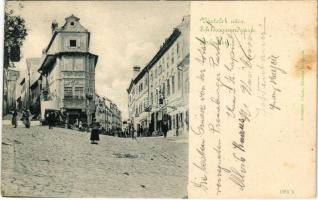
(50, 119)
(25, 118)
(14, 118)
(132, 131)
(165, 128)
(55, 118)
(95, 132)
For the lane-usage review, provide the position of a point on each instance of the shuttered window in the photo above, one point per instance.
(68, 92)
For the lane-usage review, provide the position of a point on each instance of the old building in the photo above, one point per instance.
(116, 117)
(68, 72)
(29, 87)
(20, 91)
(161, 88)
(33, 80)
(108, 115)
(9, 89)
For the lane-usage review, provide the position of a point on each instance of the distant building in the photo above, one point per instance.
(161, 88)
(68, 72)
(22, 100)
(29, 87)
(108, 115)
(9, 89)
(33, 80)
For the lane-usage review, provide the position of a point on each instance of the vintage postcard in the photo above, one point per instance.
(159, 99)
(96, 99)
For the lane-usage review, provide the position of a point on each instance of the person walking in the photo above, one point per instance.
(50, 119)
(141, 134)
(132, 131)
(14, 118)
(55, 118)
(165, 128)
(26, 120)
(94, 132)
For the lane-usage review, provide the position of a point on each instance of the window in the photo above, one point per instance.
(172, 56)
(172, 83)
(151, 77)
(156, 98)
(72, 23)
(178, 48)
(179, 80)
(68, 92)
(151, 98)
(79, 91)
(181, 119)
(146, 103)
(72, 43)
(168, 87)
(160, 69)
(167, 60)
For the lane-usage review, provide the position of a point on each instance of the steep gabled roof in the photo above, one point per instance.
(71, 25)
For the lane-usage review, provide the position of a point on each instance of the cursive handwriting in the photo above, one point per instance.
(201, 181)
(275, 71)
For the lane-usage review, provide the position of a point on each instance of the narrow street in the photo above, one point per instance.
(40, 162)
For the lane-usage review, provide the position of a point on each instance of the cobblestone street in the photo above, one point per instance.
(39, 162)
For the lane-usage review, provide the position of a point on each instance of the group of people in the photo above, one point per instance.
(52, 118)
(79, 124)
(25, 118)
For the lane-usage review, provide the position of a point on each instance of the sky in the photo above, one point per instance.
(123, 34)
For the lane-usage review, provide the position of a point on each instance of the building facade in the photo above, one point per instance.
(161, 89)
(9, 90)
(33, 80)
(68, 72)
(108, 115)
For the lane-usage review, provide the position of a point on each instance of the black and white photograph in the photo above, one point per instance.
(95, 99)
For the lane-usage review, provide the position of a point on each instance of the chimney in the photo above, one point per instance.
(44, 52)
(54, 26)
(136, 71)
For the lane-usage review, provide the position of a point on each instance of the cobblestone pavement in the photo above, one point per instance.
(39, 162)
